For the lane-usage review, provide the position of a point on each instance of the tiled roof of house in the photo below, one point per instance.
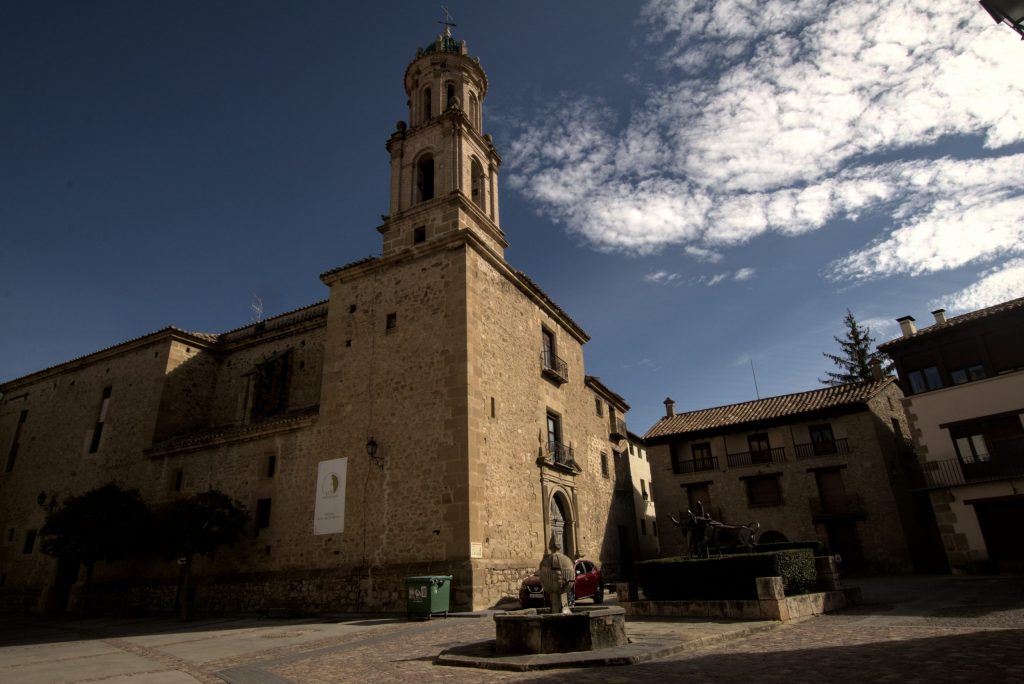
(958, 320)
(771, 408)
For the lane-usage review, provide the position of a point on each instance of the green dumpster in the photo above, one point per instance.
(428, 595)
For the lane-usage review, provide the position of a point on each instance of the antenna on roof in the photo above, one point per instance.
(257, 308)
(756, 391)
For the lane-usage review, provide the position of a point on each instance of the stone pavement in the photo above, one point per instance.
(911, 629)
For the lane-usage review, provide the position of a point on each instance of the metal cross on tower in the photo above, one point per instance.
(447, 21)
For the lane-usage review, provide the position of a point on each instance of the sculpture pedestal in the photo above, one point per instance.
(586, 629)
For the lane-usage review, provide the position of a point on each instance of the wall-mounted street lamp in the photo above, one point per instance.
(371, 451)
(1009, 12)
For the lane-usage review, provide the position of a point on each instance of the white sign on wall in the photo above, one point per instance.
(329, 512)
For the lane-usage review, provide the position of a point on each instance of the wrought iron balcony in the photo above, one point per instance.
(618, 428)
(847, 506)
(752, 458)
(554, 367)
(835, 447)
(952, 473)
(696, 465)
(560, 454)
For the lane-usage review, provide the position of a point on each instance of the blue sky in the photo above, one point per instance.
(701, 185)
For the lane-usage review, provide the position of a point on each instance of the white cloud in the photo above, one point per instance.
(996, 285)
(955, 213)
(773, 123)
(713, 280)
(744, 274)
(661, 277)
(703, 254)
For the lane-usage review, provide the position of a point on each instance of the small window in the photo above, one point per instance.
(702, 458)
(270, 386)
(557, 450)
(476, 185)
(962, 375)
(822, 440)
(654, 527)
(97, 431)
(643, 491)
(177, 480)
(972, 449)
(392, 321)
(760, 448)
(419, 235)
(30, 542)
(426, 105)
(262, 515)
(10, 535)
(764, 491)
(351, 308)
(493, 408)
(924, 380)
(271, 469)
(12, 455)
(425, 178)
(643, 527)
(604, 464)
(699, 498)
(599, 409)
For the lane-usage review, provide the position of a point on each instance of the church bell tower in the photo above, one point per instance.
(444, 169)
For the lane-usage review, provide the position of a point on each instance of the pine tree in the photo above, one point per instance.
(855, 356)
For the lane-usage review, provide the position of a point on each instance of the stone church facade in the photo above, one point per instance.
(465, 376)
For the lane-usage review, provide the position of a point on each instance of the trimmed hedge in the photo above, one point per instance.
(728, 577)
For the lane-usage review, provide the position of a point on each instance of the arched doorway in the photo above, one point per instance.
(561, 522)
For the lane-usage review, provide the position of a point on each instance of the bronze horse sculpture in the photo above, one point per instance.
(703, 533)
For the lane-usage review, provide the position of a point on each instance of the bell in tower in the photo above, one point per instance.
(444, 169)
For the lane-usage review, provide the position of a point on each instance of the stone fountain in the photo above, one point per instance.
(563, 628)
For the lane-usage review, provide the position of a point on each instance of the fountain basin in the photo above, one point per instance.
(587, 628)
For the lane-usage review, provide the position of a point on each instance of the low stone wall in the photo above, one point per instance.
(771, 604)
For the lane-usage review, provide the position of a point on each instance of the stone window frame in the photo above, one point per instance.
(754, 498)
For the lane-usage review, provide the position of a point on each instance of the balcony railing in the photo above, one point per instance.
(817, 449)
(951, 473)
(752, 458)
(560, 454)
(847, 506)
(554, 367)
(618, 428)
(697, 465)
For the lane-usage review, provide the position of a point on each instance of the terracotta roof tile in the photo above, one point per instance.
(770, 408)
(958, 320)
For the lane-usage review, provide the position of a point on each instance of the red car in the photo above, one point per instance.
(589, 584)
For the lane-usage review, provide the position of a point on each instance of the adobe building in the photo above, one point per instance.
(431, 416)
(964, 381)
(825, 465)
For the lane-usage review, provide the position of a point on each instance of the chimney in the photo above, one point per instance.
(940, 316)
(876, 370)
(670, 407)
(907, 325)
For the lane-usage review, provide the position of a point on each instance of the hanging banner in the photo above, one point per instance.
(329, 512)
